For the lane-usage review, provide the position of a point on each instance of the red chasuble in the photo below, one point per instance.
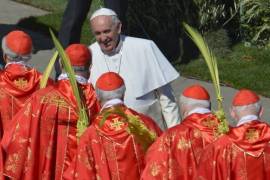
(17, 84)
(243, 154)
(110, 152)
(175, 155)
(42, 139)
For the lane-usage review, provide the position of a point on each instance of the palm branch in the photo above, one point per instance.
(211, 62)
(82, 122)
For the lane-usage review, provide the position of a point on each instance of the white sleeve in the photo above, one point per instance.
(169, 106)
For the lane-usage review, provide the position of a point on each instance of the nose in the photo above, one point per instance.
(103, 38)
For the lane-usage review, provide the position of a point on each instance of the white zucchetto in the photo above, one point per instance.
(103, 12)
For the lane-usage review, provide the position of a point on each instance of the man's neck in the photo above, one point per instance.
(22, 63)
(199, 110)
(111, 103)
(247, 118)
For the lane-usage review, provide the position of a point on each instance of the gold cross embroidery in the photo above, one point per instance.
(252, 135)
(210, 123)
(183, 144)
(116, 125)
(20, 83)
(55, 100)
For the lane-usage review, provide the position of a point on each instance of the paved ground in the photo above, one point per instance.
(11, 12)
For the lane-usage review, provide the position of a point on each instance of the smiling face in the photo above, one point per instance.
(106, 32)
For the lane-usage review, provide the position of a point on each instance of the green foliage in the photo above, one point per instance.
(50, 5)
(48, 70)
(255, 21)
(219, 42)
(244, 67)
(82, 122)
(211, 61)
(144, 136)
(211, 14)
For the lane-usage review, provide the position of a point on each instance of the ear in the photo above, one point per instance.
(5, 58)
(261, 112)
(119, 28)
(233, 114)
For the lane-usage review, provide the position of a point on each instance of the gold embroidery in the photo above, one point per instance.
(27, 110)
(116, 125)
(197, 133)
(252, 135)
(84, 161)
(183, 144)
(210, 123)
(12, 162)
(98, 177)
(165, 142)
(21, 83)
(155, 169)
(54, 100)
(28, 162)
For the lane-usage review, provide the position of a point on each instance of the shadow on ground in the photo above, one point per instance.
(40, 41)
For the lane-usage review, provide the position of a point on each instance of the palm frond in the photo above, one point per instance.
(48, 70)
(82, 122)
(211, 62)
(136, 127)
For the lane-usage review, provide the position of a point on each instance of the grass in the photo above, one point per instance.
(243, 67)
(49, 5)
(53, 20)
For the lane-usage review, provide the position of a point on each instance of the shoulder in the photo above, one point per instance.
(134, 41)
(94, 46)
(47, 91)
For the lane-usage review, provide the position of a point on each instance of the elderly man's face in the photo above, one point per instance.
(106, 32)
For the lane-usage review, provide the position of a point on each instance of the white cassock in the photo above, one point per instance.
(147, 75)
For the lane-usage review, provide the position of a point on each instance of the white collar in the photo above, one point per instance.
(23, 63)
(199, 110)
(111, 103)
(246, 119)
(79, 79)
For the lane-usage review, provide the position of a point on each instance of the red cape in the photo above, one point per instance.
(17, 84)
(42, 139)
(110, 152)
(175, 155)
(242, 154)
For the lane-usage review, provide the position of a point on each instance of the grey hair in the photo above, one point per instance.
(104, 96)
(12, 56)
(194, 102)
(255, 107)
(115, 20)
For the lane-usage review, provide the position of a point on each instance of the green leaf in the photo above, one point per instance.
(82, 122)
(48, 70)
(211, 62)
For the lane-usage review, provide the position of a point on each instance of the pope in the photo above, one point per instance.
(146, 71)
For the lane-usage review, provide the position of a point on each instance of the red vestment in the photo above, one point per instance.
(243, 154)
(175, 155)
(110, 152)
(42, 139)
(17, 84)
